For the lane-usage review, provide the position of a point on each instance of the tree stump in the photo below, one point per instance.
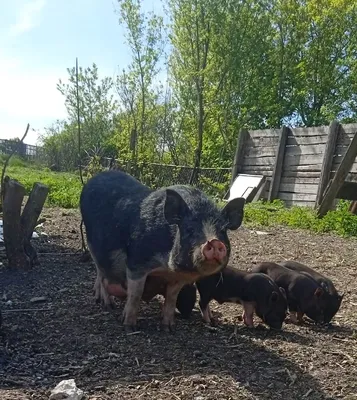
(17, 228)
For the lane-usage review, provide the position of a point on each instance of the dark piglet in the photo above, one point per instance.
(256, 292)
(334, 299)
(303, 293)
(175, 234)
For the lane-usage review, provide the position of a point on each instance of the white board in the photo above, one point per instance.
(243, 185)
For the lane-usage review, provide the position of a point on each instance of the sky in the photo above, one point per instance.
(39, 40)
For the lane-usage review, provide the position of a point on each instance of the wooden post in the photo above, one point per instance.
(334, 129)
(278, 167)
(30, 216)
(242, 138)
(14, 194)
(339, 178)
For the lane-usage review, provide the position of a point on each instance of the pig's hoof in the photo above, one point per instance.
(130, 328)
(214, 322)
(167, 328)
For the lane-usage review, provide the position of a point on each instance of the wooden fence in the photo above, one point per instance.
(300, 163)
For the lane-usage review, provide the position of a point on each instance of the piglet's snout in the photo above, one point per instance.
(214, 250)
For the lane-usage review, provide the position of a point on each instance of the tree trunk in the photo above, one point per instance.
(18, 228)
(14, 194)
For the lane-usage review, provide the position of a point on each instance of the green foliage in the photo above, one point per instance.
(339, 221)
(64, 188)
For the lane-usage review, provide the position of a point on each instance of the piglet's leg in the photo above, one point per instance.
(134, 292)
(248, 312)
(168, 310)
(100, 292)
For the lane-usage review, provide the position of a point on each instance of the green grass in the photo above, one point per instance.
(64, 188)
(339, 221)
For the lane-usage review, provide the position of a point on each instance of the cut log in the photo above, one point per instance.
(14, 194)
(30, 216)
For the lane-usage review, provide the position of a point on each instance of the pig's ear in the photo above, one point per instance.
(324, 286)
(318, 292)
(174, 207)
(274, 297)
(233, 213)
(282, 291)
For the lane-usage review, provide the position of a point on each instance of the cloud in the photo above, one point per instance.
(27, 17)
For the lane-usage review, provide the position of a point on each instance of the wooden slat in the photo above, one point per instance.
(299, 180)
(341, 149)
(259, 161)
(349, 128)
(306, 140)
(297, 196)
(297, 168)
(305, 149)
(299, 188)
(274, 133)
(303, 160)
(258, 170)
(278, 164)
(301, 174)
(337, 161)
(344, 139)
(299, 203)
(311, 131)
(255, 152)
(262, 142)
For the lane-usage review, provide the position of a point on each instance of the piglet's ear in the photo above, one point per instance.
(282, 291)
(318, 292)
(233, 213)
(274, 297)
(174, 207)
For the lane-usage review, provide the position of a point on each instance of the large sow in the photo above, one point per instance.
(139, 237)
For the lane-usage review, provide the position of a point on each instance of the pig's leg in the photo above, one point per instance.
(135, 291)
(168, 310)
(207, 313)
(248, 312)
(100, 292)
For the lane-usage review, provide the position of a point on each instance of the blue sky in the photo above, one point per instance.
(39, 39)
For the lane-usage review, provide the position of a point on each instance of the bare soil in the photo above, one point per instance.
(68, 335)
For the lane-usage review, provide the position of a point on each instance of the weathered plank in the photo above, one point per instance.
(297, 168)
(338, 159)
(344, 139)
(239, 154)
(341, 149)
(311, 131)
(305, 149)
(299, 188)
(278, 165)
(255, 152)
(266, 133)
(299, 203)
(259, 161)
(306, 140)
(297, 196)
(262, 142)
(258, 170)
(339, 178)
(327, 160)
(304, 159)
(299, 180)
(349, 128)
(301, 174)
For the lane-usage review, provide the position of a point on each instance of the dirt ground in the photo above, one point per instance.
(69, 336)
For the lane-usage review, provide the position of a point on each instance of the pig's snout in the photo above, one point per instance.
(214, 250)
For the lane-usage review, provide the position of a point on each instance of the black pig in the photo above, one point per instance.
(303, 293)
(175, 234)
(256, 292)
(334, 299)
